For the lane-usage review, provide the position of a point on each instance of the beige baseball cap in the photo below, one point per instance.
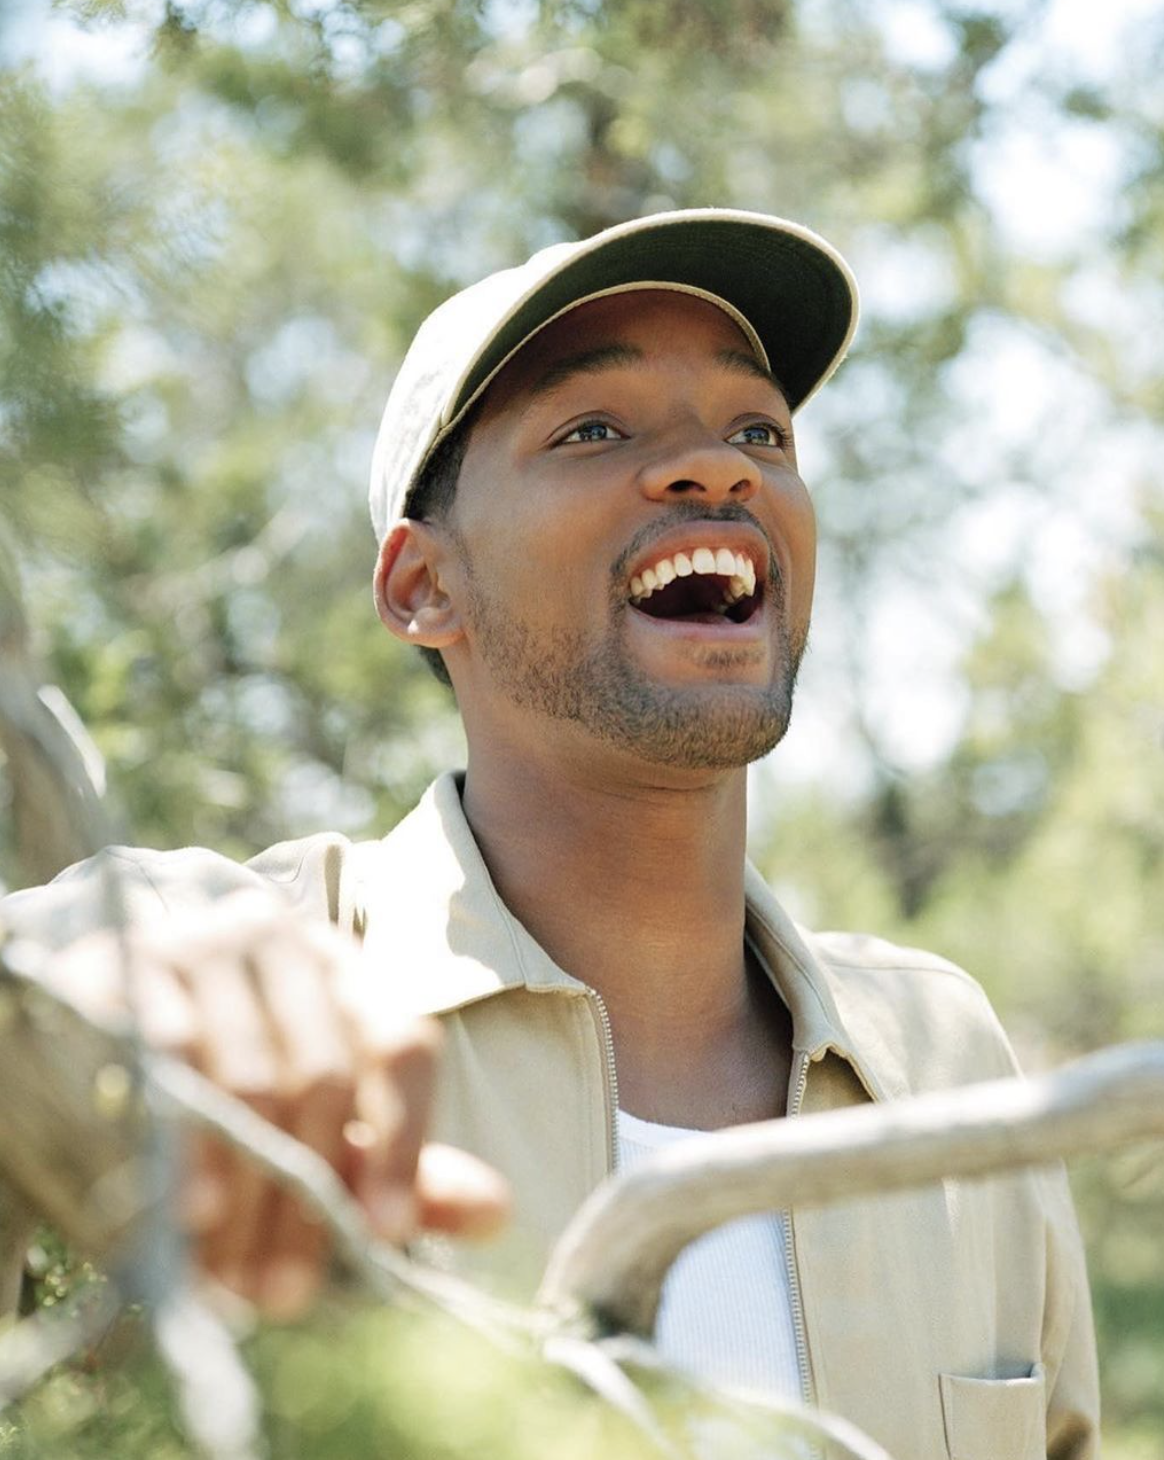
(790, 291)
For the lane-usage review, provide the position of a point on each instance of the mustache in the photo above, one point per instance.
(681, 513)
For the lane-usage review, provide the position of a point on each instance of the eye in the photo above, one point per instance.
(596, 430)
(759, 433)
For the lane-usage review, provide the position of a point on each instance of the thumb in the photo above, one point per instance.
(459, 1194)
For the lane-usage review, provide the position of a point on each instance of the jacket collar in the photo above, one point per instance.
(427, 896)
(809, 989)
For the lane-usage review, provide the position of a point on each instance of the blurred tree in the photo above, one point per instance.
(213, 257)
(213, 261)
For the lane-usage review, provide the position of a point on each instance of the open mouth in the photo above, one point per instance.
(706, 586)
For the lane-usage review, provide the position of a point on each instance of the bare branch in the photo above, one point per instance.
(40, 1342)
(219, 1400)
(768, 1420)
(609, 1265)
(17, 1224)
(57, 806)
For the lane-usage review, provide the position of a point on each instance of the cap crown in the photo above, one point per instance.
(792, 291)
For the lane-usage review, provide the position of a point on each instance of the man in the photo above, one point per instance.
(589, 505)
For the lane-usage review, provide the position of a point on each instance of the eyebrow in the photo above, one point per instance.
(587, 362)
(614, 356)
(744, 364)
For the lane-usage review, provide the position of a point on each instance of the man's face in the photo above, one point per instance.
(635, 544)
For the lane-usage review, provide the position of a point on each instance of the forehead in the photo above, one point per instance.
(635, 326)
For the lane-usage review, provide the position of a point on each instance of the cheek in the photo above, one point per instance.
(526, 568)
(798, 530)
(537, 543)
(806, 562)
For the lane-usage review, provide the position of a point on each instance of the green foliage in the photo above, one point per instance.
(56, 1277)
(1121, 1205)
(360, 1382)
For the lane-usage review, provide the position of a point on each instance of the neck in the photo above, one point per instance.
(622, 882)
(636, 887)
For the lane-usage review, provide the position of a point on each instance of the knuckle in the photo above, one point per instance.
(177, 1044)
(258, 1096)
(324, 1090)
(413, 1047)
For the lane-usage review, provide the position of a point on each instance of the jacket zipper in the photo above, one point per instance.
(806, 1385)
(611, 1079)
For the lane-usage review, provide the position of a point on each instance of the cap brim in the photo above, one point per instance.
(795, 290)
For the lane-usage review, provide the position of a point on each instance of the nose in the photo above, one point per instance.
(701, 467)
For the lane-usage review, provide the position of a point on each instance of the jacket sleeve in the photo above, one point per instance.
(121, 883)
(314, 875)
(933, 1027)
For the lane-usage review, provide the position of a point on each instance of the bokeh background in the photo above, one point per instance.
(220, 223)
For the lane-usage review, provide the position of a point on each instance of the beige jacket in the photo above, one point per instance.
(949, 1322)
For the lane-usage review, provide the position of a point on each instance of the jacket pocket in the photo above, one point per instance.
(995, 1419)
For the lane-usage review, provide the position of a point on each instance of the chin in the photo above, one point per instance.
(604, 693)
(708, 729)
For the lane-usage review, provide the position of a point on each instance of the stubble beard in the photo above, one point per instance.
(699, 727)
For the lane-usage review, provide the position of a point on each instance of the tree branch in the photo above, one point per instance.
(17, 1224)
(608, 1267)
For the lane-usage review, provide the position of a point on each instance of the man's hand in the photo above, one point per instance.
(283, 1014)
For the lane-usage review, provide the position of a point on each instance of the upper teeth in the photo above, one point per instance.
(737, 568)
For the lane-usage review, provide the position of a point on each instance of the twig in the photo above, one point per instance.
(601, 1372)
(17, 1224)
(789, 1419)
(217, 1397)
(45, 1339)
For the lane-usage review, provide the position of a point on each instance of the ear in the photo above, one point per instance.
(411, 598)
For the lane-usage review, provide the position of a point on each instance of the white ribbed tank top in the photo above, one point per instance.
(726, 1312)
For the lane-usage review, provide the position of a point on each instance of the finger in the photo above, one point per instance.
(292, 1263)
(316, 1061)
(394, 1103)
(89, 972)
(460, 1194)
(234, 1049)
(203, 1196)
(366, 999)
(232, 1248)
(167, 1016)
(110, 978)
(310, 1035)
